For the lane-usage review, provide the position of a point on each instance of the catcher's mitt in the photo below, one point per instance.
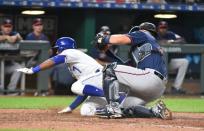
(99, 42)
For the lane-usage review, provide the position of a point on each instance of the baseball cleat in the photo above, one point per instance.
(161, 111)
(109, 112)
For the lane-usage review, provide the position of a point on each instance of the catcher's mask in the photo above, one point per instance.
(149, 27)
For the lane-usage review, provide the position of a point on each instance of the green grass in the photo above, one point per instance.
(175, 104)
(185, 104)
(34, 102)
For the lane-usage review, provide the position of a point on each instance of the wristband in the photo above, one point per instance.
(106, 39)
(36, 69)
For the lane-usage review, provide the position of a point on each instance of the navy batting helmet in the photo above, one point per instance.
(64, 43)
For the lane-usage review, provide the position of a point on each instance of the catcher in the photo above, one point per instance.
(146, 78)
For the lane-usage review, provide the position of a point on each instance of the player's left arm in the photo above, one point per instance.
(58, 59)
(79, 99)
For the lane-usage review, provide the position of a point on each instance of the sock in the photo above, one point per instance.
(122, 97)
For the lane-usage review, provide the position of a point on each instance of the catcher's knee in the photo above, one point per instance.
(88, 109)
(132, 101)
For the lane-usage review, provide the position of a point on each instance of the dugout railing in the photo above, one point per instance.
(18, 54)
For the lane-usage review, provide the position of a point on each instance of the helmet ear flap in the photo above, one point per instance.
(60, 49)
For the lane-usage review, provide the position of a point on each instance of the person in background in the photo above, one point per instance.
(37, 33)
(180, 64)
(7, 35)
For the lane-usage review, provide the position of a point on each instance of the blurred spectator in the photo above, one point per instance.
(192, 1)
(7, 35)
(37, 33)
(179, 64)
(133, 1)
(157, 1)
(166, 36)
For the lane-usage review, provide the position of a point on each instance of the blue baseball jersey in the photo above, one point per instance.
(168, 36)
(32, 36)
(154, 60)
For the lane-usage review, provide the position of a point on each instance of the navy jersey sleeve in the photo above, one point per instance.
(13, 33)
(137, 37)
(29, 37)
(171, 35)
(44, 37)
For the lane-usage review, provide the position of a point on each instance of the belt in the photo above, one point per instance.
(159, 75)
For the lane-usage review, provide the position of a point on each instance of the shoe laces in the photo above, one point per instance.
(114, 108)
(157, 109)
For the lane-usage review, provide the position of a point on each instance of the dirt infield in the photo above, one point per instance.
(49, 119)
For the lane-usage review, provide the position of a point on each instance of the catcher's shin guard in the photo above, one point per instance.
(111, 92)
(110, 83)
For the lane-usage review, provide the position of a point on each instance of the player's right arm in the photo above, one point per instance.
(119, 39)
(58, 59)
(122, 39)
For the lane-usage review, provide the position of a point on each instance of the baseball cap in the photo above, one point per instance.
(7, 22)
(37, 21)
(163, 24)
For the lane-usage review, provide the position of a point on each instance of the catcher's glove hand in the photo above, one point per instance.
(99, 42)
